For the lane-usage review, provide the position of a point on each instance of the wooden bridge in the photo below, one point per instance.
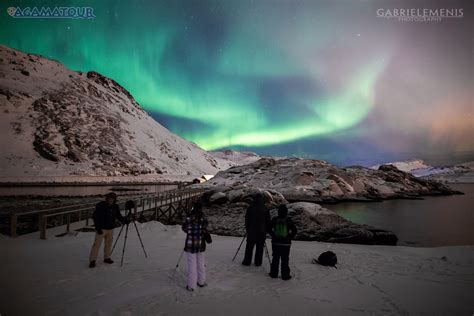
(168, 207)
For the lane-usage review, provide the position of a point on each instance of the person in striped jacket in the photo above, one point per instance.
(195, 227)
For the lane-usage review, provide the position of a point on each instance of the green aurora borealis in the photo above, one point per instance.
(293, 77)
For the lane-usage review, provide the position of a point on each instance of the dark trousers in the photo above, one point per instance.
(282, 253)
(251, 243)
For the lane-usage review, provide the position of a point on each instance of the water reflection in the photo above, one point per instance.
(434, 221)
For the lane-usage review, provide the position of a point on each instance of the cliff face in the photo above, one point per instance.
(58, 122)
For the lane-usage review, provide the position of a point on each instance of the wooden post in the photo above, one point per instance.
(68, 226)
(43, 226)
(13, 223)
(170, 215)
(87, 217)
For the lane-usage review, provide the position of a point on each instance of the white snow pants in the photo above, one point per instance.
(196, 269)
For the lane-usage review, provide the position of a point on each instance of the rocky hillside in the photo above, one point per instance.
(236, 158)
(318, 181)
(460, 173)
(413, 166)
(58, 122)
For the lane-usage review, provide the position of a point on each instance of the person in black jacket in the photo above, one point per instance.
(257, 220)
(283, 230)
(104, 221)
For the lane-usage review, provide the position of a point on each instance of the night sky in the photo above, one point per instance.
(319, 79)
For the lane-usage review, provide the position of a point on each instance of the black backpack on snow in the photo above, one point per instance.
(327, 258)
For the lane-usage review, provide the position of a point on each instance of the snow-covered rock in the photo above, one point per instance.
(460, 173)
(225, 209)
(407, 166)
(236, 158)
(319, 181)
(58, 122)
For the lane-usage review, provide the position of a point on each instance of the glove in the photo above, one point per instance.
(99, 231)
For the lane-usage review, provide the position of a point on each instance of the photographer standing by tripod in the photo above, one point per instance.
(104, 221)
(195, 227)
(257, 221)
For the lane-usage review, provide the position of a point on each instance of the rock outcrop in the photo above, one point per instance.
(301, 184)
(225, 209)
(318, 181)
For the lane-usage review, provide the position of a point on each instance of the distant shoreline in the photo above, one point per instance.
(95, 180)
(35, 184)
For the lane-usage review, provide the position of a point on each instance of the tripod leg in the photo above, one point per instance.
(124, 244)
(239, 247)
(179, 260)
(268, 254)
(140, 238)
(116, 239)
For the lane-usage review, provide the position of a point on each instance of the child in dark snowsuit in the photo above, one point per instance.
(283, 230)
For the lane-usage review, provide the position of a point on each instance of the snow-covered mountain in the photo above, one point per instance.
(457, 173)
(408, 166)
(236, 158)
(63, 123)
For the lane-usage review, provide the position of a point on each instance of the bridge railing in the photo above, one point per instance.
(67, 214)
(16, 217)
(164, 206)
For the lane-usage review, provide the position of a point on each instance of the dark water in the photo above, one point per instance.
(434, 221)
(83, 190)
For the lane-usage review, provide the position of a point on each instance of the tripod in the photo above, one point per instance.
(130, 219)
(264, 246)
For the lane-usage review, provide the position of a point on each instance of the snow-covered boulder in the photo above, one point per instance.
(218, 198)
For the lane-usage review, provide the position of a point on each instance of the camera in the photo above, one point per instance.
(129, 205)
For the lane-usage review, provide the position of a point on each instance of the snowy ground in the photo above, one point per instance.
(51, 278)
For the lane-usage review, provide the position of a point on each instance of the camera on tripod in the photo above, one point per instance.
(129, 205)
(130, 210)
